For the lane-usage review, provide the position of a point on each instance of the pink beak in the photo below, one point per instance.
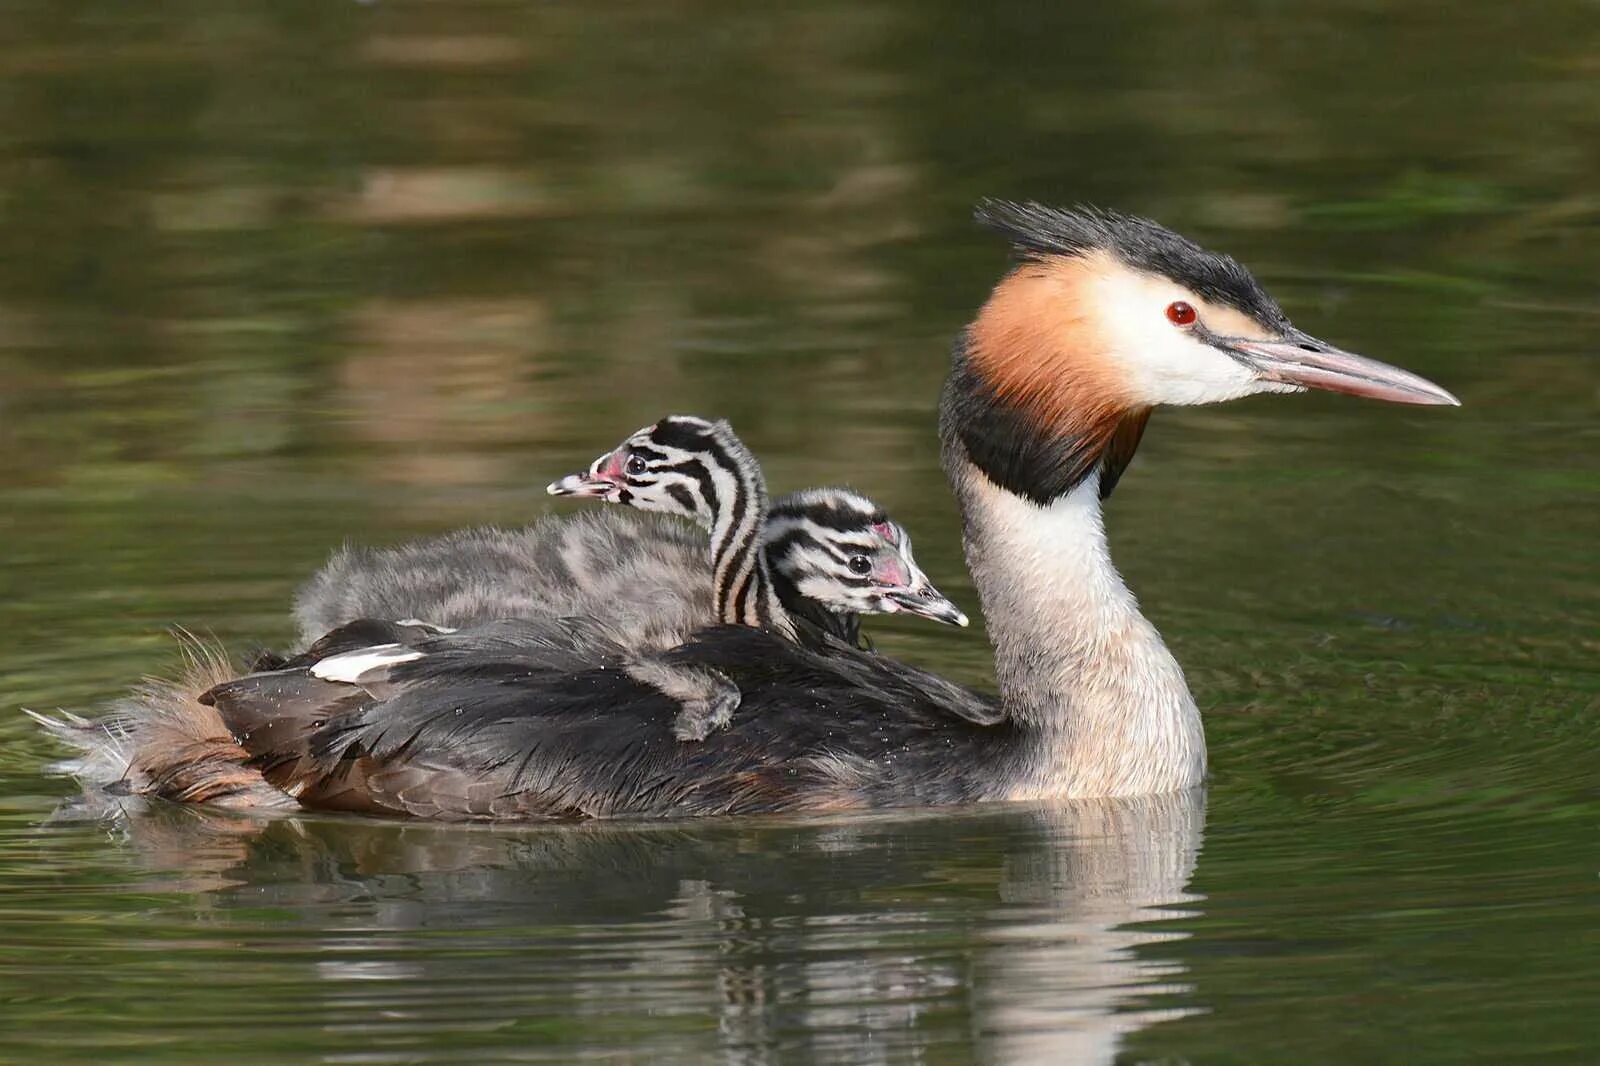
(1301, 359)
(603, 475)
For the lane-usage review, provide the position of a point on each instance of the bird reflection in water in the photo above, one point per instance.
(1023, 933)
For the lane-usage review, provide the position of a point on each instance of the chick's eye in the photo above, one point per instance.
(860, 564)
(636, 466)
(1180, 313)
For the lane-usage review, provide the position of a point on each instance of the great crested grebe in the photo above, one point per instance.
(1102, 318)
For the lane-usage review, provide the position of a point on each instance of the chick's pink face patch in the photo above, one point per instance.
(609, 466)
(891, 572)
(887, 531)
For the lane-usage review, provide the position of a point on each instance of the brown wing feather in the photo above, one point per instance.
(276, 717)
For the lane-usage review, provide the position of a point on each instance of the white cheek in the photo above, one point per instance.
(1163, 363)
(825, 592)
(1166, 364)
(808, 570)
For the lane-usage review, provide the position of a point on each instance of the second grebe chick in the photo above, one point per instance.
(837, 549)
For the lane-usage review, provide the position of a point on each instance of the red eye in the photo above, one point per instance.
(1180, 313)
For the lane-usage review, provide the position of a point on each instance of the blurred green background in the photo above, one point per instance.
(274, 276)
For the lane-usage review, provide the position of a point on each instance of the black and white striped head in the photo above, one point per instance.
(838, 548)
(682, 465)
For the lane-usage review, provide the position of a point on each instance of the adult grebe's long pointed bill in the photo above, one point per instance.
(929, 603)
(1302, 360)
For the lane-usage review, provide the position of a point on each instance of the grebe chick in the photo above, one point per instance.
(644, 577)
(1101, 318)
(833, 548)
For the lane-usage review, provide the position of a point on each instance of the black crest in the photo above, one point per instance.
(1037, 231)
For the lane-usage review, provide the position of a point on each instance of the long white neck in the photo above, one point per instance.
(1102, 701)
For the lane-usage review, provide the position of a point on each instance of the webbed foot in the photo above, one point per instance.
(706, 697)
(700, 716)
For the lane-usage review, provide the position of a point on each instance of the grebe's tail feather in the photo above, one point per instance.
(160, 740)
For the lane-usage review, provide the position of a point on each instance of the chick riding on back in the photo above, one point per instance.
(802, 569)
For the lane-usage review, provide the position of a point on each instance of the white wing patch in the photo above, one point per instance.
(351, 666)
(425, 625)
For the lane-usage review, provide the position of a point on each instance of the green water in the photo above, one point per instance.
(273, 276)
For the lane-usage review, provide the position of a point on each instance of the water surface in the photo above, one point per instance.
(276, 276)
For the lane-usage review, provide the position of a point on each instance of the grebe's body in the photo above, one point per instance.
(1103, 318)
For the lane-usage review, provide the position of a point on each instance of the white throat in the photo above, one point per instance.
(1078, 665)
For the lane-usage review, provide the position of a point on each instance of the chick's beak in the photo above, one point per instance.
(928, 602)
(592, 484)
(1303, 360)
(584, 486)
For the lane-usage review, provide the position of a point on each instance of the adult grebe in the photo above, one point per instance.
(1104, 317)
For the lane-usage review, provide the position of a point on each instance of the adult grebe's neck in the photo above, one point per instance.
(742, 582)
(1102, 702)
